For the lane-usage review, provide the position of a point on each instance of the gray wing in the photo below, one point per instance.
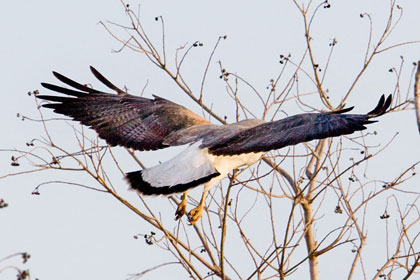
(121, 119)
(294, 130)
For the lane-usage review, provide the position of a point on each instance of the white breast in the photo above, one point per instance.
(224, 164)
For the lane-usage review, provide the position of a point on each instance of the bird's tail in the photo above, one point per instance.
(137, 183)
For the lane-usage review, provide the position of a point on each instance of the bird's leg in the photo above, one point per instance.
(182, 206)
(195, 214)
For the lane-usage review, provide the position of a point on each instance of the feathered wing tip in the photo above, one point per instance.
(342, 111)
(82, 90)
(105, 81)
(381, 108)
(72, 83)
(137, 183)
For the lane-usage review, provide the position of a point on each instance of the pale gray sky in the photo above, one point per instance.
(74, 233)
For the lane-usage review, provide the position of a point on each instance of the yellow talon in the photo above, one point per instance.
(180, 211)
(182, 207)
(195, 214)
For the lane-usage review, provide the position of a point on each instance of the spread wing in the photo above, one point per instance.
(294, 130)
(121, 119)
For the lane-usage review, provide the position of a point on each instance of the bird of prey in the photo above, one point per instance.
(213, 150)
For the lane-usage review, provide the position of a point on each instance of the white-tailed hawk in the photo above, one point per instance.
(214, 150)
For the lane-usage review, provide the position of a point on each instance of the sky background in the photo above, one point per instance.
(73, 233)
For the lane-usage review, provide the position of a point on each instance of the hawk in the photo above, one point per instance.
(213, 150)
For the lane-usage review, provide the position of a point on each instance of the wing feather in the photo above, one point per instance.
(294, 130)
(121, 119)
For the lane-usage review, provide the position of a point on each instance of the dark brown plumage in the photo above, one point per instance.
(296, 129)
(123, 119)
